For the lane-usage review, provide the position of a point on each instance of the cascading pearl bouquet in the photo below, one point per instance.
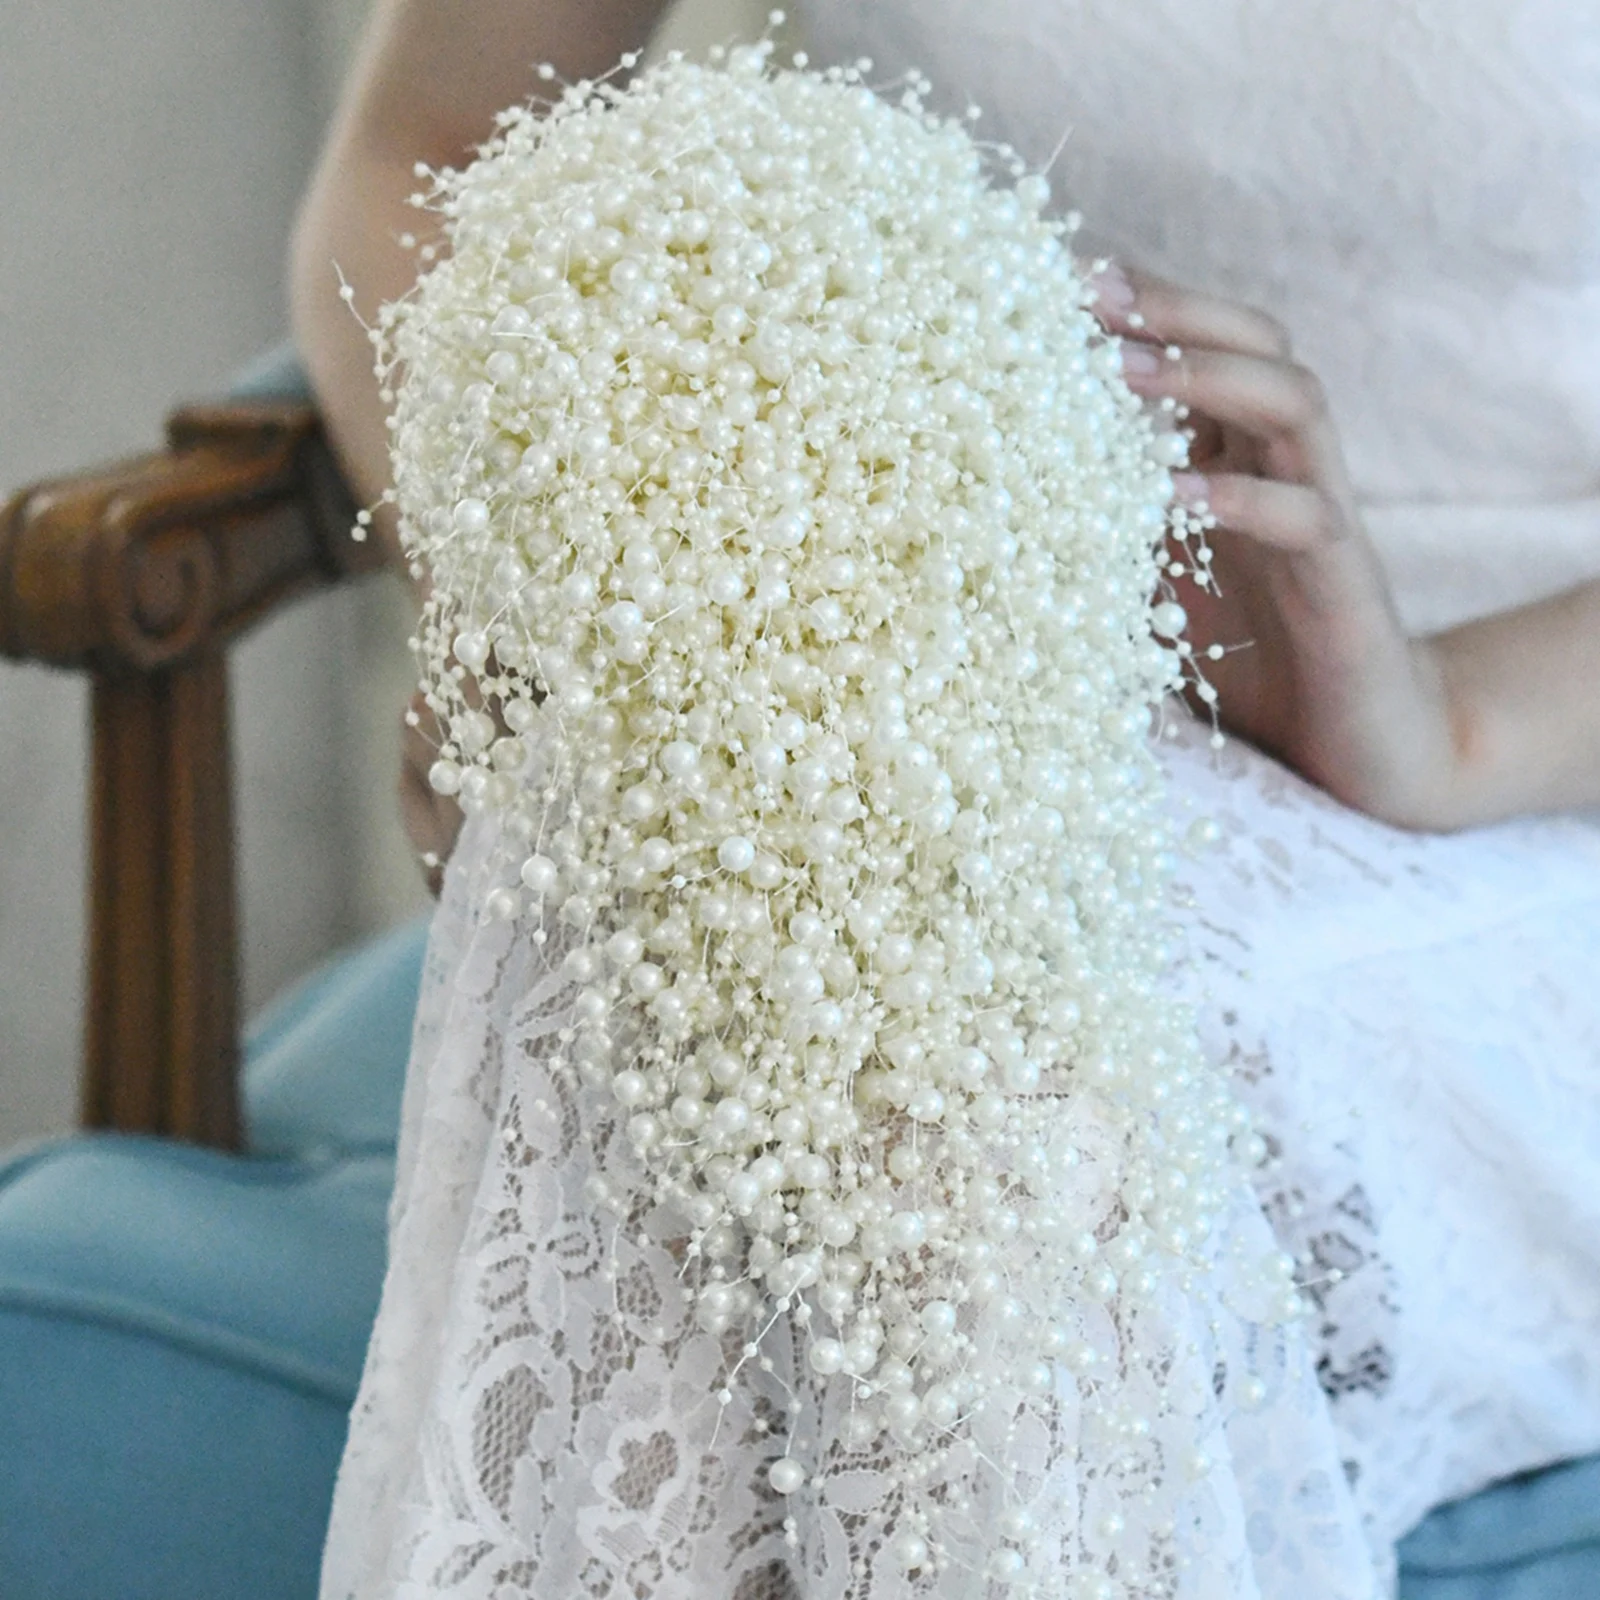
(796, 616)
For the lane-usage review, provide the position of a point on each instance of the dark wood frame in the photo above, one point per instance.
(141, 573)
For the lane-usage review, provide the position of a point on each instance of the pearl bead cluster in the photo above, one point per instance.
(796, 607)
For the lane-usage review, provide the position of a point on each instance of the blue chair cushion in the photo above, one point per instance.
(325, 1064)
(182, 1332)
(181, 1337)
(1534, 1537)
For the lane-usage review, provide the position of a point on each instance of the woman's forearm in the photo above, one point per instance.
(427, 82)
(1524, 687)
(350, 226)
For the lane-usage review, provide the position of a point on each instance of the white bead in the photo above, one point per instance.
(731, 1117)
(646, 980)
(939, 1406)
(1007, 1565)
(786, 1475)
(656, 855)
(1168, 619)
(908, 1551)
(736, 853)
(827, 1356)
(539, 873)
(470, 516)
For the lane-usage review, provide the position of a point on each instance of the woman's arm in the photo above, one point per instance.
(1524, 688)
(1487, 721)
(427, 82)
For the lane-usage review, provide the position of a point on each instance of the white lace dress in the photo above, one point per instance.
(1414, 189)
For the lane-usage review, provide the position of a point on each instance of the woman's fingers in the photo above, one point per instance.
(1291, 517)
(1228, 363)
(1139, 306)
(1260, 422)
(1260, 395)
(1277, 402)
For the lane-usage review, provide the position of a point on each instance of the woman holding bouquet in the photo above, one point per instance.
(1352, 254)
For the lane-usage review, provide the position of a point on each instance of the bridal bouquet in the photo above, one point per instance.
(797, 624)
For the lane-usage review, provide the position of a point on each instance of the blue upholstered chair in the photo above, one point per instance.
(182, 1328)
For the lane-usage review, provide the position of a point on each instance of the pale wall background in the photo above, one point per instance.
(154, 153)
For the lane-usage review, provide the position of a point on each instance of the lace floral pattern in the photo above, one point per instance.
(1413, 1021)
(539, 1404)
(538, 1399)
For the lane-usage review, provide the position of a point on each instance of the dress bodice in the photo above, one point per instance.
(1412, 187)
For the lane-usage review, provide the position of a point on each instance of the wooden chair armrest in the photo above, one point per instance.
(142, 572)
(146, 563)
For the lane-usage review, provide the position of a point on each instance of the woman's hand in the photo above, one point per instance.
(1317, 669)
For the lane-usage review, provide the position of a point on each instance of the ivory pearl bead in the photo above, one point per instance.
(540, 874)
(736, 853)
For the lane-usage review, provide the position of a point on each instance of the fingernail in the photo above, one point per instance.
(1139, 360)
(1190, 487)
(1112, 289)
